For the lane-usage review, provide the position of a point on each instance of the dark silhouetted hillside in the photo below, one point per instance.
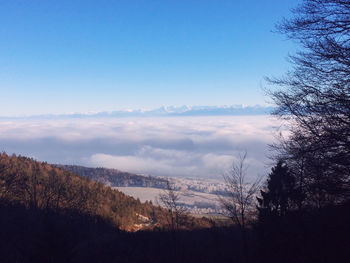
(114, 177)
(51, 215)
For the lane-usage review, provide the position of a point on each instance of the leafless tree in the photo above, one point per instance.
(314, 97)
(239, 199)
(169, 198)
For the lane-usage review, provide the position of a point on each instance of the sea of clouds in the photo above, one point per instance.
(162, 146)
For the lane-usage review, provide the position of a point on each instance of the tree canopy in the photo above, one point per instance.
(314, 98)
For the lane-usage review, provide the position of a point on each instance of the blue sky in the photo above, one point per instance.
(78, 56)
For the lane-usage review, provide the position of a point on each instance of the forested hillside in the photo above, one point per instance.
(37, 185)
(48, 214)
(115, 178)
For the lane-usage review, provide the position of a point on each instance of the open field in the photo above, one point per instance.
(197, 202)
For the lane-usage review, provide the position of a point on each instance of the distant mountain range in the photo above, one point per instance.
(164, 111)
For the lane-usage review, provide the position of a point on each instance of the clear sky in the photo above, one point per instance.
(77, 56)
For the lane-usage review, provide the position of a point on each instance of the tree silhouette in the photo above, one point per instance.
(170, 198)
(281, 194)
(314, 99)
(239, 201)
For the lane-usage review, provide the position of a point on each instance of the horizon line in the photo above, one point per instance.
(162, 111)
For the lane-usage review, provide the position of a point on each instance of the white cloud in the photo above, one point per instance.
(187, 146)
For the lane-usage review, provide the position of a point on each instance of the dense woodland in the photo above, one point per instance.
(114, 177)
(40, 186)
(36, 185)
(51, 215)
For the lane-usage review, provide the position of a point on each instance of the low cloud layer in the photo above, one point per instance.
(168, 146)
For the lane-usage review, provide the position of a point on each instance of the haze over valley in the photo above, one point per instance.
(185, 146)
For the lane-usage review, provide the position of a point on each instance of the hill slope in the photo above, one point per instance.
(115, 178)
(37, 185)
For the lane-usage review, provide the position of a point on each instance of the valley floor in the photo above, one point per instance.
(195, 202)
